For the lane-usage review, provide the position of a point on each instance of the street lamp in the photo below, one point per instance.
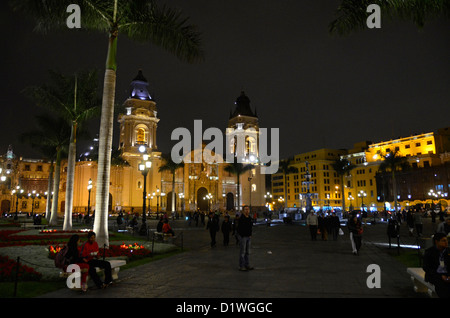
(33, 195)
(89, 188)
(157, 194)
(209, 198)
(144, 166)
(362, 194)
(17, 191)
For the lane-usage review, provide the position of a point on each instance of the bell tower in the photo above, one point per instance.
(243, 124)
(139, 123)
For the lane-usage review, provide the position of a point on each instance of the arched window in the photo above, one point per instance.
(140, 136)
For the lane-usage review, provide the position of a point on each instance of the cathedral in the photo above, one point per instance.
(144, 172)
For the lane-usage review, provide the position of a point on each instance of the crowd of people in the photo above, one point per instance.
(436, 261)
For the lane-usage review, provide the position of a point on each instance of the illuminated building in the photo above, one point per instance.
(199, 185)
(428, 156)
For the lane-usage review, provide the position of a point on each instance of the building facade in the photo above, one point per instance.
(365, 187)
(201, 185)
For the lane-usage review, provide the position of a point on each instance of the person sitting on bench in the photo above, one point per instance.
(89, 252)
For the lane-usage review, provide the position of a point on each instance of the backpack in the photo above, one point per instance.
(60, 258)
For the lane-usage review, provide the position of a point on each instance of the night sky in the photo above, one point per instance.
(320, 90)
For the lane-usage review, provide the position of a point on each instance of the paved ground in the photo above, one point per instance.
(287, 265)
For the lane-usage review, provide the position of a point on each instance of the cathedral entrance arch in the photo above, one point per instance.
(6, 206)
(230, 201)
(202, 203)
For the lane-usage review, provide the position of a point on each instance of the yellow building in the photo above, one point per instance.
(325, 183)
(360, 188)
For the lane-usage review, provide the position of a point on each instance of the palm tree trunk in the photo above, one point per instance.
(105, 145)
(394, 189)
(343, 195)
(285, 193)
(54, 214)
(70, 181)
(174, 208)
(48, 206)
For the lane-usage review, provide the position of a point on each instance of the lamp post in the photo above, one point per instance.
(144, 167)
(362, 194)
(33, 195)
(157, 201)
(16, 191)
(89, 188)
(250, 189)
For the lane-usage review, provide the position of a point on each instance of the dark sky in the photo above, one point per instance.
(319, 90)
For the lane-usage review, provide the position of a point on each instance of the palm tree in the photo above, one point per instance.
(238, 169)
(76, 99)
(393, 162)
(352, 14)
(342, 167)
(52, 134)
(170, 166)
(140, 20)
(286, 168)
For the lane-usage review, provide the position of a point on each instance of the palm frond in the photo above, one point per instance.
(144, 21)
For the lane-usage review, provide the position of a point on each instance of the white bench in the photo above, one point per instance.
(418, 279)
(115, 268)
(34, 226)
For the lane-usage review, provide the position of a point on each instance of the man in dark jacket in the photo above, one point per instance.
(244, 233)
(436, 264)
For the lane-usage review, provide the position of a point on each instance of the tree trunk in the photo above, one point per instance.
(343, 195)
(394, 189)
(48, 207)
(54, 215)
(174, 208)
(105, 145)
(70, 181)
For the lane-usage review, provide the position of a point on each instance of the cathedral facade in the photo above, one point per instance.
(193, 186)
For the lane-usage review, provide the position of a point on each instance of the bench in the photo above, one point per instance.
(115, 268)
(163, 237)
(418, 279)
(35, 226)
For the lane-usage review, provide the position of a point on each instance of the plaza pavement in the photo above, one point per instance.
(287, 264)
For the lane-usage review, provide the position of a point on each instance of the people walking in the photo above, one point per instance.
(418, 222)
(410, 222)
(226, 229)
(323, 226)
(356, 230)
(334, 225)
(244, 233)
(213, 227)
(312, 222)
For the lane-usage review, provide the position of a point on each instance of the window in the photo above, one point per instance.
(429, 142)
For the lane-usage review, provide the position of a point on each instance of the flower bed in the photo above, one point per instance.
(7, 238)
(8, 268)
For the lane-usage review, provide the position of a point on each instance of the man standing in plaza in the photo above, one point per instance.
(244, 234)
(312, 222)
